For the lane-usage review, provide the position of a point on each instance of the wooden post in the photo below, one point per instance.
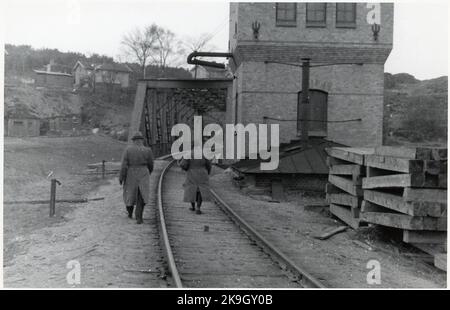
(103, 169)
(52, 197)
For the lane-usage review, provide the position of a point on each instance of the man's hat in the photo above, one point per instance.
(137, 135)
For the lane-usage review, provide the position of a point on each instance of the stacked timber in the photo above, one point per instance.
(344, 188)
(406, 188)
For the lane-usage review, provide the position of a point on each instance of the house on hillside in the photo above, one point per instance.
(201, 72)
(21, 123)
(52, 79)
(116, 74)
(53, 75)
(82, 73)
(52, 66)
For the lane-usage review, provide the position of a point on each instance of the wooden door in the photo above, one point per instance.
(318, 109)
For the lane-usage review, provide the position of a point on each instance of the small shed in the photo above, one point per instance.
(64, 123)
(22, 124)
(301, 167)
(53, 79)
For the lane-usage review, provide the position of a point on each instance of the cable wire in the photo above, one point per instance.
(313, 120)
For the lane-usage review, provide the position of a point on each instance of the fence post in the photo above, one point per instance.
(103, 169)
(53, 196)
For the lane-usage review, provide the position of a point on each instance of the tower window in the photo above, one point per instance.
(316, 14)
(346, 15)
(286, 14)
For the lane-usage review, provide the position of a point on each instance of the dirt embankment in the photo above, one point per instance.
(106, 108)
(109, 110)
(111, 249)
(28, 163)
(415, 111)
(43, 102)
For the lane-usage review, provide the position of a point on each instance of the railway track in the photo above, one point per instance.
(218, 248)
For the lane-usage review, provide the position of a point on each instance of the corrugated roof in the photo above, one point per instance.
(21, 113)
(107, 66)
(295, 157)
(52, 73)
(68, 115)
(114, 67)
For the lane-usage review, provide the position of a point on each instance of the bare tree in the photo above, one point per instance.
(199, 43)
(168, 48)
(164, 46)
(141, 44)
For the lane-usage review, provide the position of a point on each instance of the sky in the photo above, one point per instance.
(421, 29)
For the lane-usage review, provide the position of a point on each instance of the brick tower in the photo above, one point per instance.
(346, 93)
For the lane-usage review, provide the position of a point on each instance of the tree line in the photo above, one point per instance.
(23, 59)
(150, 51)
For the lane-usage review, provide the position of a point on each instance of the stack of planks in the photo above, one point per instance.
(406, 188)
(344, 188)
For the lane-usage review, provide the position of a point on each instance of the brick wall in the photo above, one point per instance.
(355, 91)
(245, 13)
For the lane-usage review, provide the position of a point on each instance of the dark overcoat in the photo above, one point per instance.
(197, 178)
(137, 164)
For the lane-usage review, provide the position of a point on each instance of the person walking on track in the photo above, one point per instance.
(196, 186)
(137, 165)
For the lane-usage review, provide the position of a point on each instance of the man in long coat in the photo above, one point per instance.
(196, 186)
(137, 164)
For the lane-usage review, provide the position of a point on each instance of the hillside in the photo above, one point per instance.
(415, 111)
(42, 103)
(21, 60)
(107, 109)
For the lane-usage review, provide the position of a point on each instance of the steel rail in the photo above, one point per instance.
(163, 230)
(303, 277)
(306, 279)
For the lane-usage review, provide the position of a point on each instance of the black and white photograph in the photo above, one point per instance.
(181, 145)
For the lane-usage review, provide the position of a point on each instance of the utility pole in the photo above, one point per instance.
(303, 110)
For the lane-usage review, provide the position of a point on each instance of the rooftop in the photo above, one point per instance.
(295, 157)
(20, 112)
(106, 67)
(52, 73)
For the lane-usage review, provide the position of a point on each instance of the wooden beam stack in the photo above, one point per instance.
(400, 187)
(406, 188)
(344, 189)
